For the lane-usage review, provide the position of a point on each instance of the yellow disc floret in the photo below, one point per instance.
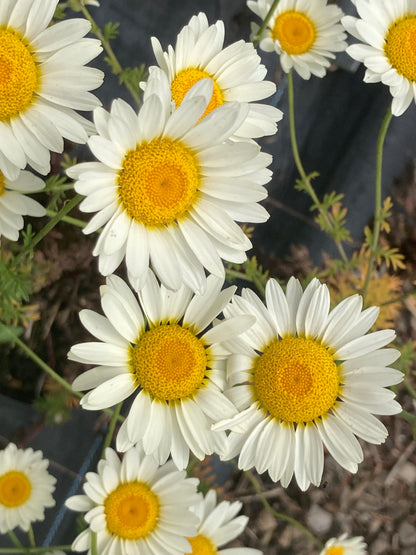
(400, 46)
(201, 545)
(296, 379)
(169, 362)
(2, 183)
(335, 551)
(15, 489)
(131, 511)
(19, 77)
(186, 78)
(295, 32)
(159, 182)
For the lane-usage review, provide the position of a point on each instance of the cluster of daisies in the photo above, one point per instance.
(272, 383)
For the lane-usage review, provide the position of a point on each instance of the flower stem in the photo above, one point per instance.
(94, 550)
(256, 38)
(31, 536)
(73, 221)
(281, 516)
(37, 360)
(113, 60)
(305, 179)
(377, 197)
(67, 207)
(19, 546)
(33, 550)
(111, 426)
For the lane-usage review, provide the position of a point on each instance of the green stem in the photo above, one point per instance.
(67, 207)
(73, 221)
(257, 37)
(49, 370)
(377, 197)
(281, 516)
(111, 427)
(37, 360)
(94, 550)
(31, 536)
(411, 418)
(17, 543)
(115, 64)
(34, 550)
(306, 181)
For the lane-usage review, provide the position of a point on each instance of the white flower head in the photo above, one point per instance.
(345, 546)
(305, 34)
(218, 526)
(236, 72)
(136, 506)
(43, 80)
(169, 192)
(305, 377)
(14, 204)
(386, 29)
(173, 363)
(25, 488)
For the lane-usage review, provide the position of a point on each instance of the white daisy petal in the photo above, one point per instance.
(303, 378)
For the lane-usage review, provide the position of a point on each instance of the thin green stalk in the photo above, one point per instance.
(37, 360)
(34, 550)
(94, 549)
(17, 542)
(306, 181)
(50, 371)
(411, 418)
(256, 38)
(73, 221)
(111, 427)
(67, 207)
(31, 537)
(281, 516)
(377, 197)
(115, 64)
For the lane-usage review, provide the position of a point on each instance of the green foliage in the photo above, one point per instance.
(56, 187)
(384, 253)
(251, 271)
(7, 331)
(111, 30)
(53, 405)
(16, 285)
(132, 76)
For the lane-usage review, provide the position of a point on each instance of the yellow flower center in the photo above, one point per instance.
(169, 362)
(15, 488)
(201, 545)
(400, 46)
(296, 379)
(159, 182)
(186, 78)
(131, 511)
(335, 551)
(19, 77)
(295, 32)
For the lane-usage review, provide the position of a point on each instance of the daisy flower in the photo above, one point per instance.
(135, 506)
(387, 28)
(25, 487)
(236, 72)
(305, 33)
(169, 192)
(304, 377)
(14, 204)
(42, 81)
(218, 526)
(175, 367)
(344, 546)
